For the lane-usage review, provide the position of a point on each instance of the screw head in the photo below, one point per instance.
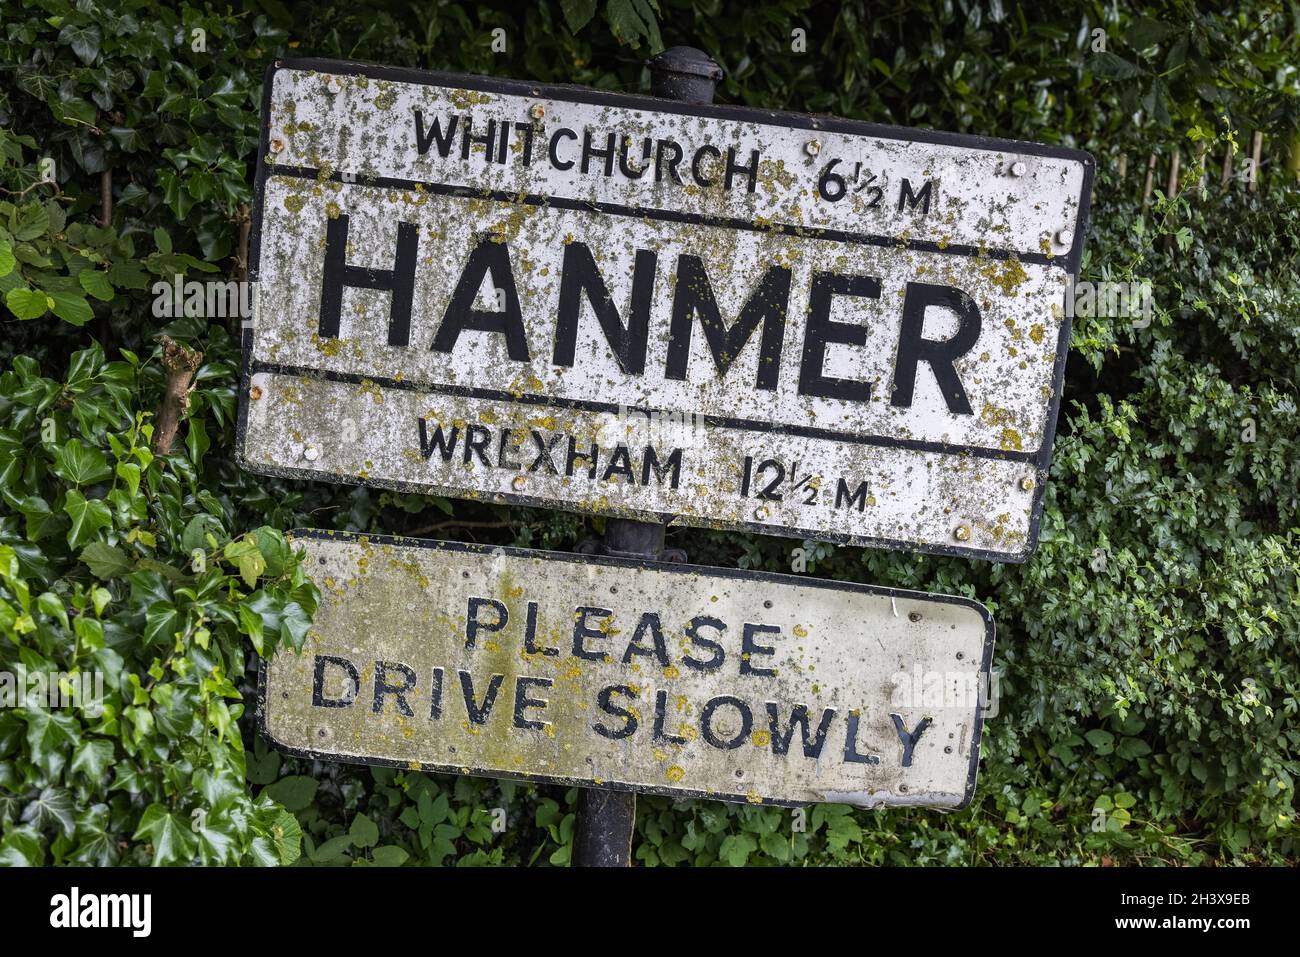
(1064, 237)
(1018, 168)
(277, 145)
(760, 513)
(914, 616)
(255, 392)
(962, 533)
(813, 147)
(311, 453)
(518, 483)
(1027, 484)
(334, 84)
(537, 111)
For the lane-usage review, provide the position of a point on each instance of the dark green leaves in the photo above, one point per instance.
(632, 21)
(80, 464)
(52, 808)
(88, 517)
(172, 839)
(578, 13)
(84, 41)
(364, 832)
(295, 793)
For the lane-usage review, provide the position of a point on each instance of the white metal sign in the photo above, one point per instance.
(621, 305)
(733, 685)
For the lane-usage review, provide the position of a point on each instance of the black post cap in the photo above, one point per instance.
(684, 73)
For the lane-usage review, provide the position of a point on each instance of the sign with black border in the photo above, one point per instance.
(613, 304)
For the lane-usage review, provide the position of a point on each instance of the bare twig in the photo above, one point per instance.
(106, 198)
(1256, 148)
(442, 526)
(245, 222)
(1150, 181)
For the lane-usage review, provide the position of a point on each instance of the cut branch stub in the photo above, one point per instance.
(180, 363)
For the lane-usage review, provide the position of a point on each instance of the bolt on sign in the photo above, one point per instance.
(620, 305)
(645, 676)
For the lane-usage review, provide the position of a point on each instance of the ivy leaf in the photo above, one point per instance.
(275, 550)
(294, 625)
(52, 807)
(50, 732)
(245, 554)
(7, 260)
(196, 440)
(197, 529)
(84, 41)
(105, 561)
(41, 520)
(22, 847)
(1108, 66)
(172, 839)
(92, 758)
(161, 622)
(88, 517)
(80, 464)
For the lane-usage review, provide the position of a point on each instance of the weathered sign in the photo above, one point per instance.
(733, 685)
(701, 314)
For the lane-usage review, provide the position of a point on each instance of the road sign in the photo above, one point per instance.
(646, 676)
(620, 305)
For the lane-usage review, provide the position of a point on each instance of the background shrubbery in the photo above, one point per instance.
(1148, 652)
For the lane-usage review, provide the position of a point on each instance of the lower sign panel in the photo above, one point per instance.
(646, 676)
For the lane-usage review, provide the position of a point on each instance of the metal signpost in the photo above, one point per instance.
(656, 310)
(649, 676)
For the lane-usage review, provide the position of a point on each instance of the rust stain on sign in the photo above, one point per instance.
(612, 304)
(693, 681)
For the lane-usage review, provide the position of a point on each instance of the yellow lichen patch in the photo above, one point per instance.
(675, 773)
(326, 347)
(761, 739)
(1007, 275)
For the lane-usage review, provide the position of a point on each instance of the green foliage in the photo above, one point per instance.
(103, 574)
(1148, 651)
